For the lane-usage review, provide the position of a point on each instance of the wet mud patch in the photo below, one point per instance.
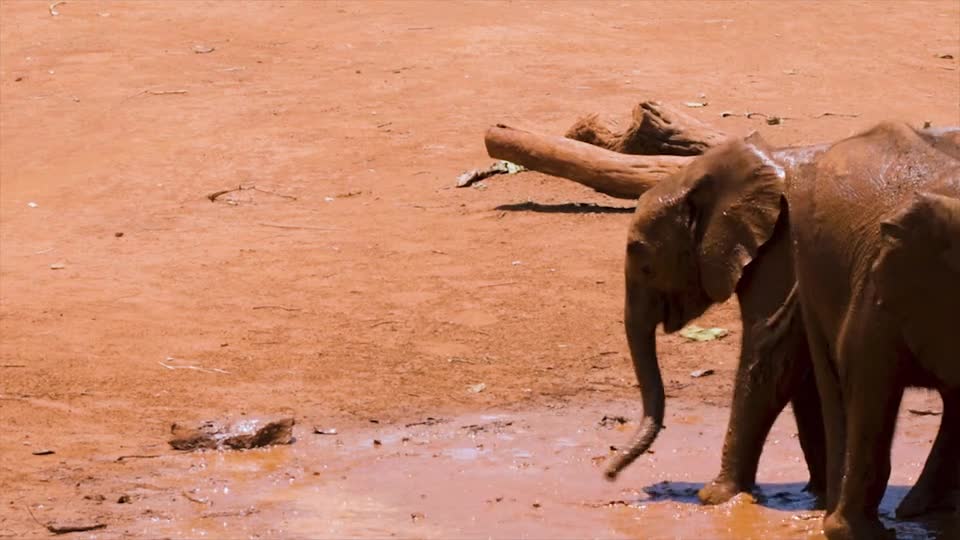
(532, 474)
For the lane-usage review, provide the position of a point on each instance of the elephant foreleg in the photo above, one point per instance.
(941, 474)
(809, 416)
(762, 389)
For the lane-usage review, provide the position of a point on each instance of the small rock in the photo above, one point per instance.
(701, 373)
(43, 452)
(203, 49)
(124, 499)
(517, 263)
(612, 421)
(536, 505)
(945, 56)
(376, 442)
(57, 266)
(118, 234)
(476, 388)
(325, 431)
(32, 204)
(328, 199)
(416, 516)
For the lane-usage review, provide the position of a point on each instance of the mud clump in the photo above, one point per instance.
(239, 435)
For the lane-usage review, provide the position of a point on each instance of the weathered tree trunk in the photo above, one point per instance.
(618, 175)
(655, 129)
(659, 142)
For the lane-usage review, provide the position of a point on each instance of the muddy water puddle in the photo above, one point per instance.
(533, 474)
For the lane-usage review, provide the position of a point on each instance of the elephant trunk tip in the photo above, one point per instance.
(642, 441)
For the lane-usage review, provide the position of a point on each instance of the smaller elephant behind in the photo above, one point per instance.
(921, 247)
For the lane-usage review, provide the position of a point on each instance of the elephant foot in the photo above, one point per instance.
(720, 491)
(836, 527)
(819, 495)
(923, 499)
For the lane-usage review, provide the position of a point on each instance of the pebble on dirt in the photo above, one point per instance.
(701, 373)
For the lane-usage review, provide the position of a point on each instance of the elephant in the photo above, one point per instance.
(878, 288)
(721, 226)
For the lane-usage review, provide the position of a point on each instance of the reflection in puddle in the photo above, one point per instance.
(523, 475)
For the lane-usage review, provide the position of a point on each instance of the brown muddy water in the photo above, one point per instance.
(529, 474)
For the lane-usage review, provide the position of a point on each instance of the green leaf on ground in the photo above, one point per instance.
(696, 333)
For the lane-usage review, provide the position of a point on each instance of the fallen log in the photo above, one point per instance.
(623, 176)
(659, 141)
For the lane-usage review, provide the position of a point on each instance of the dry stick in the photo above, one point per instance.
(278, 307)
(137, 456)
(310, 227)
(164, 92)
(497, 284)
(64, 529)
(213, 196)
(193, 499)
(611, 173)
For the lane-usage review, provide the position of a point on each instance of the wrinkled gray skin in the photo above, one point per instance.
(714, 229)
(878, 269)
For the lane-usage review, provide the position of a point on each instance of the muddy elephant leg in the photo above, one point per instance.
(941, 473)
(872, 392)
(761, 391)
(806, 410)
(831, 403)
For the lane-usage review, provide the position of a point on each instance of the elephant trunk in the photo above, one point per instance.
(642, 313)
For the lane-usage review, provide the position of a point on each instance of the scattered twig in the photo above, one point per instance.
(213, 196)
(195, 368)
(309, 227)
(53, 8)
(231, 513)
(64, 529)
(278, 307)
(165, 92)
(12, 365)
(136, 456)
(497, 284)
(844, 115)
(190, 498)
(381, 323)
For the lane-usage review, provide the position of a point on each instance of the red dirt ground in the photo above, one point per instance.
(380, 291)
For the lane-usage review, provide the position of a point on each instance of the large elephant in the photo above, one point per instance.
(717, 227)
(879, 290)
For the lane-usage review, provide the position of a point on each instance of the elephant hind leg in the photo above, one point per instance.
(872, 391)
(940, 478)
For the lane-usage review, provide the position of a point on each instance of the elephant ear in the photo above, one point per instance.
(736, 201)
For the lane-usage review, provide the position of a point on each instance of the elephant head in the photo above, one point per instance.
(689, 241)
(921, 242)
